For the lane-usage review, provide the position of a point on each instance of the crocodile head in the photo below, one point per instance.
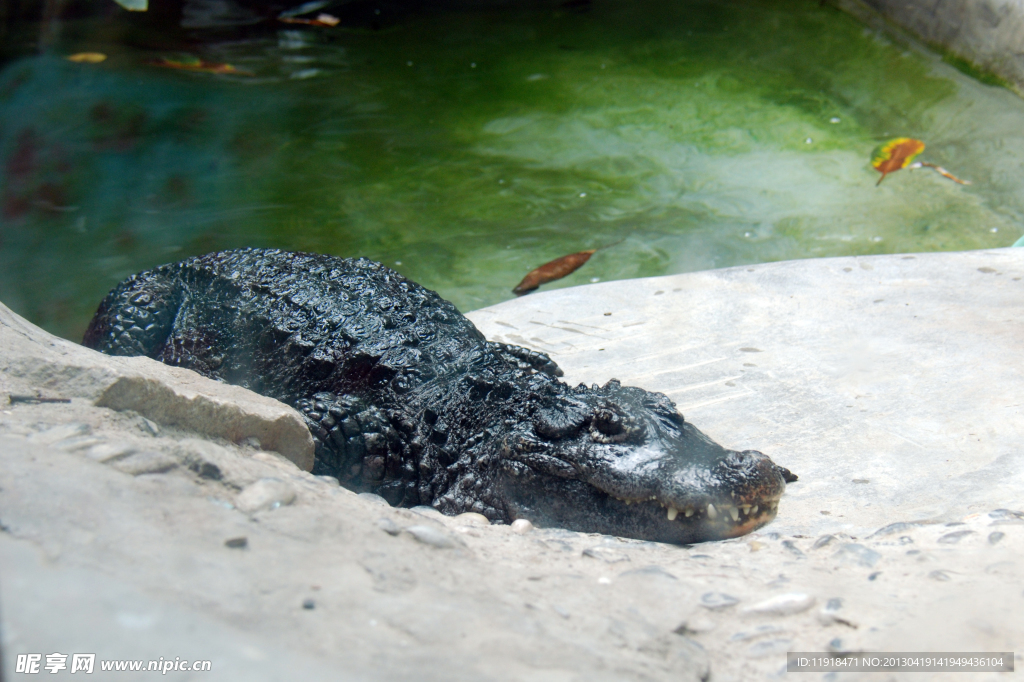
(622, 461)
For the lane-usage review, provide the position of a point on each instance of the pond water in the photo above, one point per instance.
(464, 147)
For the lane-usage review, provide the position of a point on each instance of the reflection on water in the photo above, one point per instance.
(466, 147)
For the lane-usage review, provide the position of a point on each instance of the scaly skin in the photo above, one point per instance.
(405, 398)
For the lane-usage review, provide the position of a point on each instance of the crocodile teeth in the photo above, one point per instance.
(734, 513)
(712, 512)
(688, 512)
(672, 513)
(753, 510)
(746, 508)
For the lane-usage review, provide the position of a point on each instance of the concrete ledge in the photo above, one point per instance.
(988, 34)
(171, 396)
(889, 384)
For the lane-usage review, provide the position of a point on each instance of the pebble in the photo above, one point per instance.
(308, 604)
(266, 493)
(388, 526)
(954, 537)
(521, 526)
(251, 442)
(77, 443)
(1003, 516)
(792, 548)
(829, 614)
(429, 512)
(717, 600)
(995, 537)
(104, 452)
(151, 426)
(1007, 568)
(823, 541)
(859, 555)
(429, 535)
(605, 554)
(60, 432)
(759, 631)
(472, 519)
(769, 647)
(649, 571)
(237, 543)
(898, 527)
(782, 605)
(373, 499)
(939, 575)
(146, 462)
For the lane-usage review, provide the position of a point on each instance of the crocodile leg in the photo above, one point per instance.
(357, 444)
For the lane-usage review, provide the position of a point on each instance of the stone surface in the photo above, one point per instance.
(987, 33)
(924, 348)
(889, 384)
(37, 363)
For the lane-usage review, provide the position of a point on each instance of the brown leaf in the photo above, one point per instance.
(549, 272)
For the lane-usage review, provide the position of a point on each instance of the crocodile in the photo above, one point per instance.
(406, 399)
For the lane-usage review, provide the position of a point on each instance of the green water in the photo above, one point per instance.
(465, 147)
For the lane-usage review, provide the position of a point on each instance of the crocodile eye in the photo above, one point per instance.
(607, 422)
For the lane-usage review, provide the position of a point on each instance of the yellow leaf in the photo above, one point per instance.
(86, 57)
(896, 154)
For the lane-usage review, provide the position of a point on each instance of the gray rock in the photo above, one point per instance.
(145, 462)
(759, 631)
(995, 536)
(471, 519)
(652, 571)
(769, 647)
(1006, 516)
(899, 527)
(59, 432)
(166, 395)
(824, 541)
(265, 494)
(388, 526)
(954, 537)
(781, 605)
(104, 452)
(857, 554)
(605, 554)
(716, 601)
(521, 526)
(435, 537)
(941, 576)
(791, 547)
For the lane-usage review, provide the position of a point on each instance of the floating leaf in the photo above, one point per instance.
(896, 154)
(549, 272)
(86, 57)
(196, 64)
(321, 20)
